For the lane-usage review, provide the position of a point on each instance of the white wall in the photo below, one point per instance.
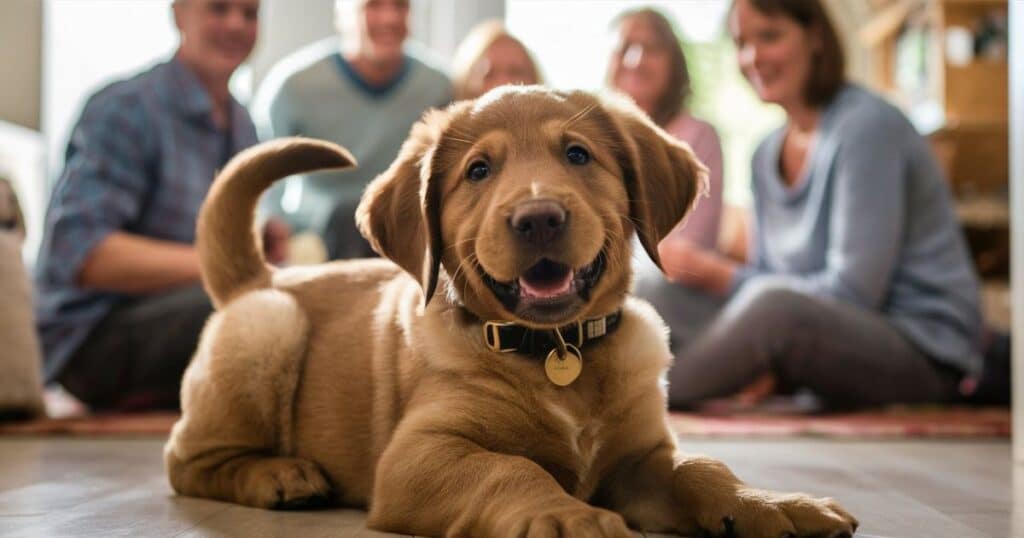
(1017, 211)
(89, 43)
(287, 25)
(443, 23)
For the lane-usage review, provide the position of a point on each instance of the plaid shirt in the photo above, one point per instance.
(140, 160)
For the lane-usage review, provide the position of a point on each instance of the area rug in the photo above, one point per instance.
(896, 423)
(137, 424)
(893, 423)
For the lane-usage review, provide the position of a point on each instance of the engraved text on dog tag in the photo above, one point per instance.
(564, 370)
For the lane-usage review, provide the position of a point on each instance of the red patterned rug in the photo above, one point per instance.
(142, 424)
(896, 423)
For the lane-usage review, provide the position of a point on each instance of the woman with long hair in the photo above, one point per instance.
(859, 286)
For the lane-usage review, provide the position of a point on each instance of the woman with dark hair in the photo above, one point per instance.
(859, 285)
(648, 64)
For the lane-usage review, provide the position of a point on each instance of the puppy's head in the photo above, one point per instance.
(528, 198)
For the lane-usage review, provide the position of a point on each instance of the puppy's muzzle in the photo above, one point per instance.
(538, 223)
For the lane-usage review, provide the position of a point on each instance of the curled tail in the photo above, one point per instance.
(230, 248)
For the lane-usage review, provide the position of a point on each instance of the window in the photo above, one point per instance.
(86, 45)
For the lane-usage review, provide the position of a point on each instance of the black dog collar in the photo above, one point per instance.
(507, 337)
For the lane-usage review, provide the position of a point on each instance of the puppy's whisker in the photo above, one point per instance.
(477, 267)
(628, 217)
(621, 216)
(473, 262)
(470, 259)
(462, 140)
(461, 136)
(460, 243)
(577, 116)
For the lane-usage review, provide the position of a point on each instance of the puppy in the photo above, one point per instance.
(493, 378)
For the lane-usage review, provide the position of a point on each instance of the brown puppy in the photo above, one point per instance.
(355, 384)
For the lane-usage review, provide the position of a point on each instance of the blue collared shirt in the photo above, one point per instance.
(140, 160)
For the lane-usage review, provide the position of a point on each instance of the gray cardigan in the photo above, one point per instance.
(871, 223)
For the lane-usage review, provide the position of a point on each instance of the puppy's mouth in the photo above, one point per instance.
(548, 291)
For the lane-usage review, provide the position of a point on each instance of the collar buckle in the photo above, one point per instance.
(492, 336)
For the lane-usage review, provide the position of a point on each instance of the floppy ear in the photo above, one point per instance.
(662, 175)
(399, 213)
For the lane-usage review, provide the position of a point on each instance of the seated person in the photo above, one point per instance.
(648, 64)
(363, 91)
(119, 306)
(489, 57)
(860, 288)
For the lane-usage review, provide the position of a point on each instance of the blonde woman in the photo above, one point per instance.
(490, 57)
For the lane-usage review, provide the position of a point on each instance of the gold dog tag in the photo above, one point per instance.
(563, 371)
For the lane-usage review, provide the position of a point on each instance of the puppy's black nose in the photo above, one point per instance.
(538, 221)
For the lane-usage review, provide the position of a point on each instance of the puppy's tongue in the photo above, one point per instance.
(545, 289)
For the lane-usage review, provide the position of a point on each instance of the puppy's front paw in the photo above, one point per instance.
(575, 520)
(754, 513)
(284, 484)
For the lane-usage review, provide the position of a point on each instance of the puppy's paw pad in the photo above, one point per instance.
(757, 513)
(286, 483)
(583, 521)
(303, 503)
(817, 517)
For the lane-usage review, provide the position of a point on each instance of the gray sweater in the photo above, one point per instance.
(315, 92)
(870, 223)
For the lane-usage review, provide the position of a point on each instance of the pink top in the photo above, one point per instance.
(701, 224)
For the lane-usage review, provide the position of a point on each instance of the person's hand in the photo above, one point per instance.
(681, 259)
(688, 263)
(275, 240)
(756, 392)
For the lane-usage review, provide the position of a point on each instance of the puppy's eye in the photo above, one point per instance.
(478, 171)
(577, 155)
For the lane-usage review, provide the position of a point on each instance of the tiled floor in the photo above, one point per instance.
(103, 487)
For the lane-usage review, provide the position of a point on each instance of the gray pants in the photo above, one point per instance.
(135, 357)
(846, 356)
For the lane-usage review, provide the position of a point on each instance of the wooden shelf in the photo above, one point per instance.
(984, 212)
(978, 91)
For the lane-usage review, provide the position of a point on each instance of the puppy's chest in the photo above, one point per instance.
(579, 446)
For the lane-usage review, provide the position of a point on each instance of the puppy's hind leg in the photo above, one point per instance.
(234, 439)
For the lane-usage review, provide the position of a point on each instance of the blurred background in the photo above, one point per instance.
(943, 61)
